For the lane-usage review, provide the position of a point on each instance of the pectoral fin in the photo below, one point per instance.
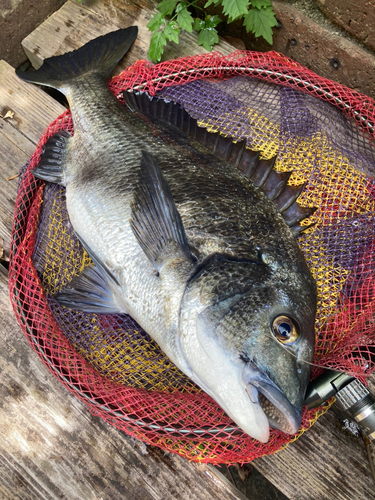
(155, 222)
(90, 292)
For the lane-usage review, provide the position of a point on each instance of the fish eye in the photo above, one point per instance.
(285, 329)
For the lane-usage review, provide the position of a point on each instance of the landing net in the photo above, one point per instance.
(321, 131)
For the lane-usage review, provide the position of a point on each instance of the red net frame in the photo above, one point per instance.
(129, 409)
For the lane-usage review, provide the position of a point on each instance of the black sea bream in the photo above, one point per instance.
(184, 241)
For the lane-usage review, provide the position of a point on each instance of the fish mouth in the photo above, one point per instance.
(280, 412)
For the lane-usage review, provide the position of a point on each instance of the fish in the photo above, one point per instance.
(190, 233)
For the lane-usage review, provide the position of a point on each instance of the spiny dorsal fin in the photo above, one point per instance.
(274, 184)
(167, 111)
(155, 222)
(262, 171)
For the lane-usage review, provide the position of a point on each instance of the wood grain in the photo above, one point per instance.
(53, 447)
(33, 109)
(326, 463)
(13, 153)
(30, 111)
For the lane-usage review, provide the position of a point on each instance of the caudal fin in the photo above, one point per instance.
(98, 56)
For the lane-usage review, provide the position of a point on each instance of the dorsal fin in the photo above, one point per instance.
(274, 184)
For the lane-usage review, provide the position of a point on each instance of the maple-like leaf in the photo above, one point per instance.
(171, 31)
(157, 43)
(260, 22)
(156, 21)
(199, 24)
(184, 18)
(166, 7)
(208, 37)
(212, 21)
(235, 8)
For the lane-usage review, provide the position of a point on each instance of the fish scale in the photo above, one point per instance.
(187, 180)
(183, 241)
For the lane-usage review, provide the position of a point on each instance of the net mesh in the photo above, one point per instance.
(321, 131)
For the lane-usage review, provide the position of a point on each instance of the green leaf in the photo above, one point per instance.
(155, 22)
(212, 21)
(184, 19)
(260, 22)
(166, 7)
(157, 43)
(258, 4)
(199, 24)
(208, 37)
(171, 31)
(215, 2)
(235, 8)
(181, 6)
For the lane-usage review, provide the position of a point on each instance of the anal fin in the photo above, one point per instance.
(51, 165)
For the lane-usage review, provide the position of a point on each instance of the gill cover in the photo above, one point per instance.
(215, 369)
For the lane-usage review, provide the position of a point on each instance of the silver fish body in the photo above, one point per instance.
(209, 296)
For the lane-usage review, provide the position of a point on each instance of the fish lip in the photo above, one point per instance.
(256, 382)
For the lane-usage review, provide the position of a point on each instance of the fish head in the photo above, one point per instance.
(247, 333)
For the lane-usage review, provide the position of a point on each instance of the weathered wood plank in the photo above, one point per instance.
(32, 109)
(25, 111)
(52, 447)
(77, 23)
(324, 463)
(15, 150)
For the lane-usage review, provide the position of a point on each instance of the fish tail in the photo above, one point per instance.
(98, 56)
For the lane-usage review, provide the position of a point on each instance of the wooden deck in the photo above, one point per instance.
(51, 446)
